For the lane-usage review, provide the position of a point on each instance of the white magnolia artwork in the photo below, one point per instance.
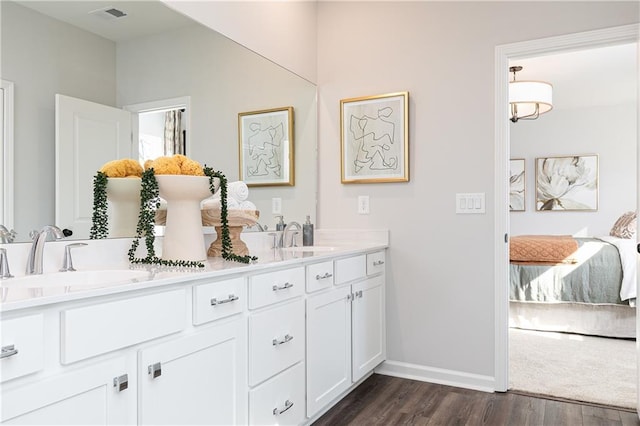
(567, 183)
(516, 185)
(374, 138)
(266, 147)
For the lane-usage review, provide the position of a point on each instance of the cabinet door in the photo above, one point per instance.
(328, 347)
(84, 396)
(368, 327)
(196, 379)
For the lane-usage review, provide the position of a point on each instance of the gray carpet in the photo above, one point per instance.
(573, 366)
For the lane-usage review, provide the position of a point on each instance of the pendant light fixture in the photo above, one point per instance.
(528, 99)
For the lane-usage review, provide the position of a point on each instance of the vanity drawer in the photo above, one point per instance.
(319, 276)
(218, 300)
(375, 263)
(272, 287)
(351, 268)
(105, 327)
(22, 346)
(276, 340)
(279, 400)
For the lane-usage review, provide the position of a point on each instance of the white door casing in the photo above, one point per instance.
(87, 136)
(6, 154)
(504, 53)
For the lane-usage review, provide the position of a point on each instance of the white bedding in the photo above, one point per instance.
(629, 260)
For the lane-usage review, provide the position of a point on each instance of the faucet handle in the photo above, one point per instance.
(67, 264)
(4, 265)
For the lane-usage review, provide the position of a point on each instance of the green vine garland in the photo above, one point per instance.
(99, 219)
(149, 203)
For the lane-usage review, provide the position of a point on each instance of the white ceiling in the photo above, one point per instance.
(591, 77)
(143, 17)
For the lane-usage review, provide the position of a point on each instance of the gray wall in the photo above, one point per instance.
(42, 57)
(610, 132)
(440, 294)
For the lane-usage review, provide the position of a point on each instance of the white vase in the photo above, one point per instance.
(183, 234)
(123, 197)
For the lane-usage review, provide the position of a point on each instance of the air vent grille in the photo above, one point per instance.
(108, 13)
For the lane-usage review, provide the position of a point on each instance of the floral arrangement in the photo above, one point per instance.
(150, 202)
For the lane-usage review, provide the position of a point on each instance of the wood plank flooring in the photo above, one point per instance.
(386, 400)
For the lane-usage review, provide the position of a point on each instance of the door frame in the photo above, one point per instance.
(503, 54)
(6, 156)
(160, 105)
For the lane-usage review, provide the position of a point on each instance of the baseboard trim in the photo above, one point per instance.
(437, 375)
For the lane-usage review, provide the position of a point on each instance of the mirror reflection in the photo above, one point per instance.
(151, 56)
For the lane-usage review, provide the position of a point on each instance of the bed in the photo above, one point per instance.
(578, 285)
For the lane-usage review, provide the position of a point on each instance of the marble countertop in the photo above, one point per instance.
(118, 277)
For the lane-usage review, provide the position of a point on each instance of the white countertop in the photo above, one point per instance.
(14, 295)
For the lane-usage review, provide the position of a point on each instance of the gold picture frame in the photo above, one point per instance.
(266, 147)
(567, 183)
(374, 138)
(517, 185)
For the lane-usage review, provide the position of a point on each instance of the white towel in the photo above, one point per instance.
(247, 205)
(238, 190)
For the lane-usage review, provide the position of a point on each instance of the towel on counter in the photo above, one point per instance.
(238, 190)
(247, 205)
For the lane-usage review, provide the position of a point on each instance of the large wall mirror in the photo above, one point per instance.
(82, 50)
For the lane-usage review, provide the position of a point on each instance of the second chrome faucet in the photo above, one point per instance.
(36, 255)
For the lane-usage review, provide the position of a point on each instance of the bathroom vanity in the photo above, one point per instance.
(279, 341)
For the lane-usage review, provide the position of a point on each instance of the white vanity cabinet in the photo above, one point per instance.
(345, 329)
(277, 347)
(102, 393)
(195, 379)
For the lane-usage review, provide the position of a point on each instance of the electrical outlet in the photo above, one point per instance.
(276, 205)
(363, 204)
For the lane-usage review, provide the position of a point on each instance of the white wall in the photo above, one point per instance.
(43, 56)
(440, 294)
(284, 32)
(224, 79)
(610, 132)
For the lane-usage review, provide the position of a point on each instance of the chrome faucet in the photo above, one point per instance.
(6, 236)
(36, 255)
(287, 230)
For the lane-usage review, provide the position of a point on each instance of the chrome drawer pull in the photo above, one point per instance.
(8, 351)
(350, 297)
(155, 370)
(358, 294)
(231, 298)
(378, 263)
(322, 277)
(287, 404)
(121, 383)
(287, 338)
(284, 287)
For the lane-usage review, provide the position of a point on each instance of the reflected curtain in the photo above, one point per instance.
(173, 136)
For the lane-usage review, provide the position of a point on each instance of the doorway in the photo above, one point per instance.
(503, 55)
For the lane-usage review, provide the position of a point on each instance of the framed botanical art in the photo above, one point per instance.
(265, 141)
(567, 183)
(517, 185)
(374, 138)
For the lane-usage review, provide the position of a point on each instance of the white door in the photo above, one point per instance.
(367, 330)
(328, 347)
(87, 136)
(82, 397)
(197, 379)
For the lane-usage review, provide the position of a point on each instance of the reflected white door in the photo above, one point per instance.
(87, 136)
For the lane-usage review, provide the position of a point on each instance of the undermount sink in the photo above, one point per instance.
(94, 278)
(309, 248)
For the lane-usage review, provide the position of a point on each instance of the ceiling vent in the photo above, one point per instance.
(108, 13)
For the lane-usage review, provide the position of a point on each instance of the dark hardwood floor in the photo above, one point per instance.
(386, 400)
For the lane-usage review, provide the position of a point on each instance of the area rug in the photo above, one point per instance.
(573, 366)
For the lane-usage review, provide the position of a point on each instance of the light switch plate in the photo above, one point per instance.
(276, 205)
(470, 203)
(363, 204)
